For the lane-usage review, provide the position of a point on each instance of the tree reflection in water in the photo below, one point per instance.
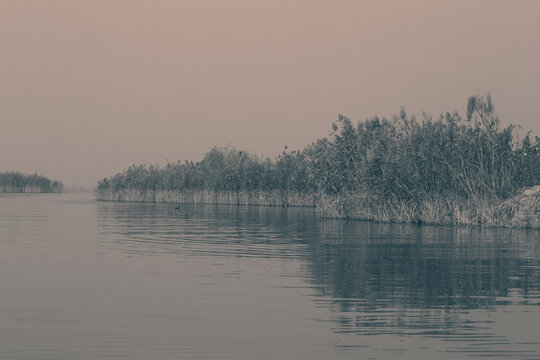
(385, 277)
(375, 278)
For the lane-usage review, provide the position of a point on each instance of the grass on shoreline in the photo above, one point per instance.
(450, 170)
(15, 182)
(483, 211)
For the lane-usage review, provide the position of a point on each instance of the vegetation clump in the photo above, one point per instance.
(450, 170)
(15, 182)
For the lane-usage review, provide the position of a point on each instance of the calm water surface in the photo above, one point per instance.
(81, 279)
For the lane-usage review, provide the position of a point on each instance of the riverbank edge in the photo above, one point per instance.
(27, 190)
(255, 198)
(517, 212)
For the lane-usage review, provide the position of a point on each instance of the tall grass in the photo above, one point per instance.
(446, 170)
(19, 183)
(405, 159)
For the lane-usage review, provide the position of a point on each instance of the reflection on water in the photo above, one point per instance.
(400, 279)
(425, 267)
(205, 230)
(474, 290)
(81, 279)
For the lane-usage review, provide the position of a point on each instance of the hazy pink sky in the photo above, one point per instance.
(88, 88)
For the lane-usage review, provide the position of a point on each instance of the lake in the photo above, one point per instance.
(81, 279)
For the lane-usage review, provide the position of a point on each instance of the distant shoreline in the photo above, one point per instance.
(17, 183)
(28, 191)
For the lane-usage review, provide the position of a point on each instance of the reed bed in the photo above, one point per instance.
(450, 170)
(15, 182)
(258, 198)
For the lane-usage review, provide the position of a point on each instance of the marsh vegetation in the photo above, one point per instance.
(450, 170)
(15, 182)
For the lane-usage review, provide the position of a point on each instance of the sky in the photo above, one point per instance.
(88, 88)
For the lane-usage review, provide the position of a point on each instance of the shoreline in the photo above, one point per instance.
(250, 198)
(520, 211)
(27, 190)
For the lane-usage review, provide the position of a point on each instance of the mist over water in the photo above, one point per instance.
(85, 279)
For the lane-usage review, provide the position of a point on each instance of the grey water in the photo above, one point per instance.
(81, 279)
